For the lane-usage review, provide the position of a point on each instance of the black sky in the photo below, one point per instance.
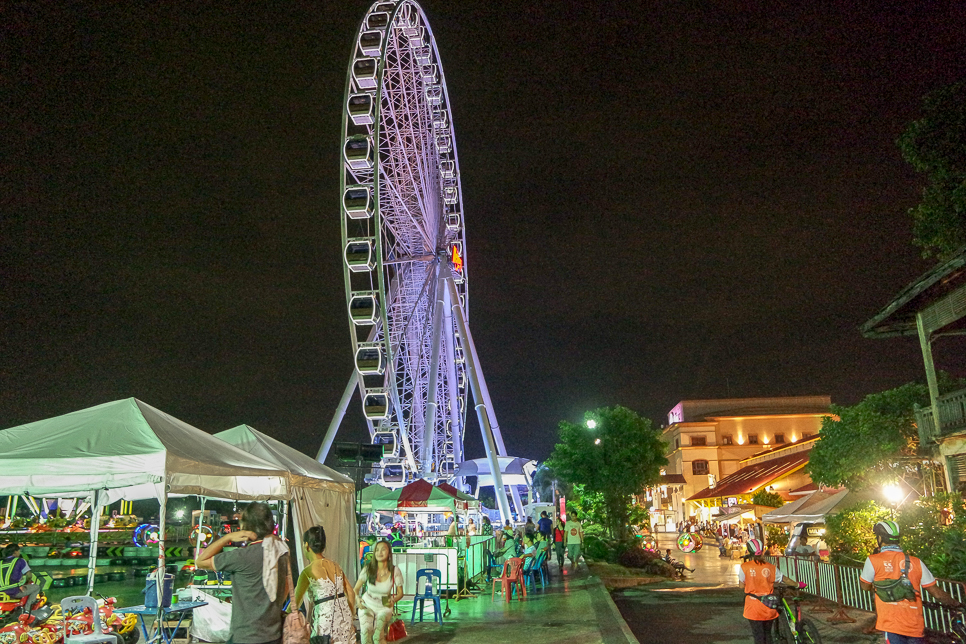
(663, 200)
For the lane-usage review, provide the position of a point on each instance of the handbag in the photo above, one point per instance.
(295, 628)
(397, 629)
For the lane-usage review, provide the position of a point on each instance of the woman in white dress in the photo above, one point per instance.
(333, 599)
(383, 588)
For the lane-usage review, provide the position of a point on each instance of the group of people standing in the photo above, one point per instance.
(261, 574)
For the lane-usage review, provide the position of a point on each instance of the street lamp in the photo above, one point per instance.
(591, 424)
(596, 441)
(892, 492)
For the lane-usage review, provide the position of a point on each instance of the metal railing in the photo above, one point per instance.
(840, 584)
(952, 415)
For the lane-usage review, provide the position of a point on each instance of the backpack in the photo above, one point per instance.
(896, 590)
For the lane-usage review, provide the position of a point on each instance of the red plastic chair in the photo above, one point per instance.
(512, 574)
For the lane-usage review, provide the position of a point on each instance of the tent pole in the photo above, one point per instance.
(7, 518)
(162, 568)
(95, 529)
(299, 555)
(283, 510)
(201, 523)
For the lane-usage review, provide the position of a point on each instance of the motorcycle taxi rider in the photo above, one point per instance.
(15, 576)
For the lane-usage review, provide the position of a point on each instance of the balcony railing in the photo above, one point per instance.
(952, 416)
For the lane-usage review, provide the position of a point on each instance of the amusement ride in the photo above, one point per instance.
(405, 259)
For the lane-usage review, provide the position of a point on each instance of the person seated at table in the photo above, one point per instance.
(470, 528)
(257, 585)
(529, 548)
(380, 585)
(333, 600)
(508, 550)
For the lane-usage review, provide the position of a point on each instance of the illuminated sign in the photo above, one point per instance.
(457, 259)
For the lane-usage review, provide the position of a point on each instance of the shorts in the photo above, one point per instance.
(893, 638)
(573, 551)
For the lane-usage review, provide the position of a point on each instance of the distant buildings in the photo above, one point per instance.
(709, 441)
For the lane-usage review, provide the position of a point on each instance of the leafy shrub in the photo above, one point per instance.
(849, 532)
(594, 530)
(776, 534)
(770, 499)
(934, 529)
(636, 557)
(595, 548)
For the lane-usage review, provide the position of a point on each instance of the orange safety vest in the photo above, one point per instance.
(902, 617)
(759, 580)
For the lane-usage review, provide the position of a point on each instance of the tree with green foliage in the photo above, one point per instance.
(848, 533)
(614, 453)
(769, 499)
(866, 444)
(935, 145)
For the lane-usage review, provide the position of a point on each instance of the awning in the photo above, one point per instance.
(750, 478)
(422, 496)
(815, 507)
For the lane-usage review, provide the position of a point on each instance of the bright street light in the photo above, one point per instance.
(591, 424)
(892, 492)
(597, 441)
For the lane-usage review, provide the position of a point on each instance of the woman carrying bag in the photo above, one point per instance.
(383, 589)
(333, 600)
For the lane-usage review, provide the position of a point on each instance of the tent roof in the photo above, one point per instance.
(129, 448)
(306, 471)
(421, 495)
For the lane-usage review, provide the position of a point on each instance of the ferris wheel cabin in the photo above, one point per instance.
(390, 446)
(357, 201)
(361, 109)
(359, 153)
(375, 406)
(364, 308)
(365, 71)
(360, 254)
(370, 42)
(370, 359)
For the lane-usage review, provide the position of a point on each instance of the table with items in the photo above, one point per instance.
(177, 610)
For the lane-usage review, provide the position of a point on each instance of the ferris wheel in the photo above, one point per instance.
(404, 252)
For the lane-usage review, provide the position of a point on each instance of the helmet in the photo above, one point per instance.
(887, 530)
(755, 547)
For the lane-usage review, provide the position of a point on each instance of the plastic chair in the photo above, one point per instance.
(80, 604)
(491, 566)
(535, 568)
(426, 580)
(512, 574)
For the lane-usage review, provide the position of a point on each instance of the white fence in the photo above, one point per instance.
(840, 584)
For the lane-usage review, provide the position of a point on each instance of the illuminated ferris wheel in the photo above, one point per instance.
(404, 252)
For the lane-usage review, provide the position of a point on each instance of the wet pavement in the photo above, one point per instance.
(573, 609)
(707, 606)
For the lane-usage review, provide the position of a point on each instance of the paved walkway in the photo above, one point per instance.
(573, 609)
(707, 606)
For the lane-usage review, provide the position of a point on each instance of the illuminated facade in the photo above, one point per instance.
(708, 439)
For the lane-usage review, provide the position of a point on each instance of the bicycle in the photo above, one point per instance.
(792, 627)
(957, 634)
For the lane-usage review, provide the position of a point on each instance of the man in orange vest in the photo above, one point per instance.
(759, 578)
(897, 579)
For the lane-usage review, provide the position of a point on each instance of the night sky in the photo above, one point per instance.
(663, 201)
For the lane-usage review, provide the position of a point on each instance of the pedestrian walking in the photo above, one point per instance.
(898, 579)
(545, 525)
(258, 576)
(575, 539)
(333, 600)
(380, 586)
(559, 534)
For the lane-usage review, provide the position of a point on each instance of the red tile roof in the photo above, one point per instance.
(750, 478)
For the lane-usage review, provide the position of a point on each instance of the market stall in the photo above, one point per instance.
(129, 450)
(448, 554)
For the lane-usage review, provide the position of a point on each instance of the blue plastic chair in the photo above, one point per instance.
(428, 579)
(491, 566)
(534, 568)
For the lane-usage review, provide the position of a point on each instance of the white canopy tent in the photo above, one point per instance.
(127, 449)
(320, 495)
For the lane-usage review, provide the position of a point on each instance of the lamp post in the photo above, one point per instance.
(893, 494)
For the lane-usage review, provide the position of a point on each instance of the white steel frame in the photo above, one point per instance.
(403, 152)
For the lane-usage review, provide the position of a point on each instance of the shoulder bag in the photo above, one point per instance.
(397, 629)
(295, 628)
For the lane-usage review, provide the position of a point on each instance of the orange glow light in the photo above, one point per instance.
(457, 259)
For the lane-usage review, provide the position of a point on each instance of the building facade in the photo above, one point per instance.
(708, 439)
